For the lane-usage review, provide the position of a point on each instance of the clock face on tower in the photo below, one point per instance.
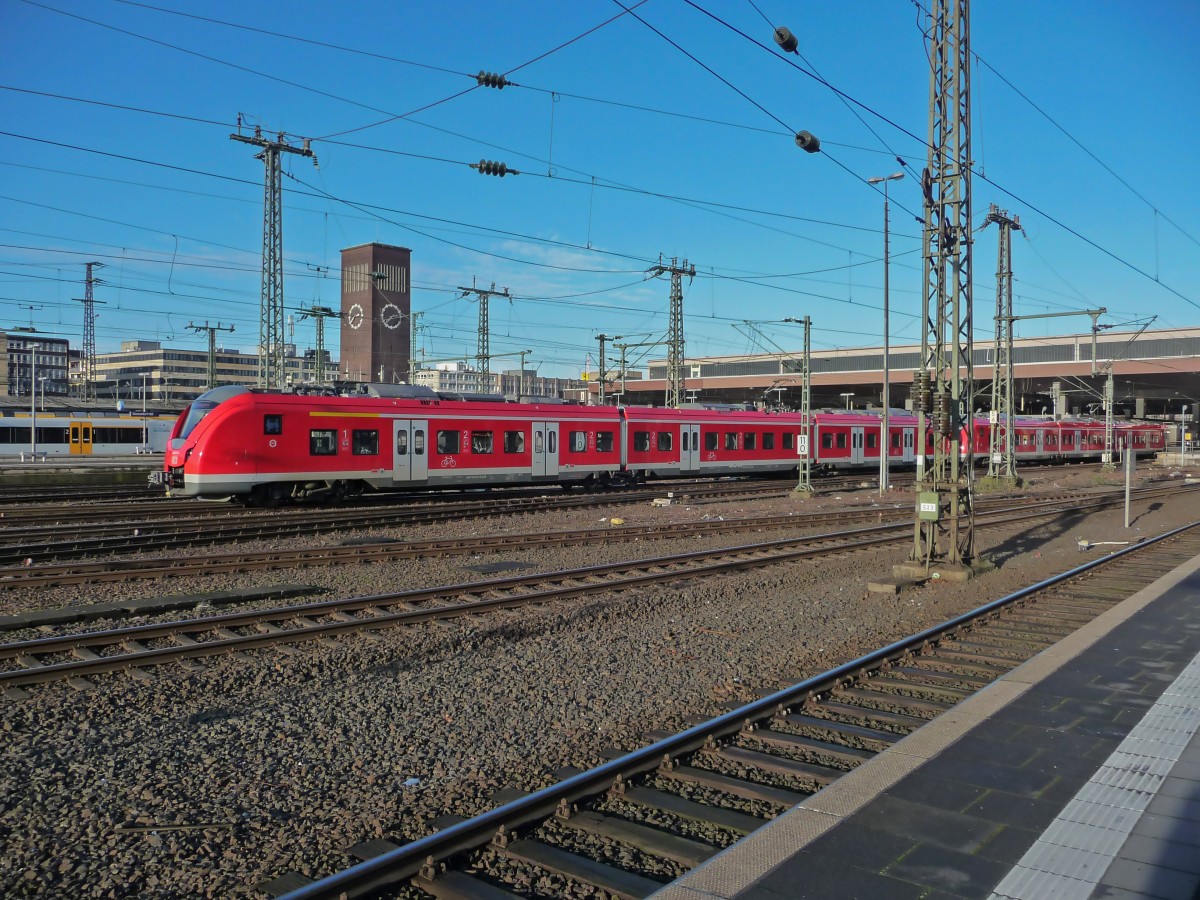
(391, 316)
(354, 318)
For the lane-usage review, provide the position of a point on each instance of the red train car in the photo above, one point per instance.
(270, 446)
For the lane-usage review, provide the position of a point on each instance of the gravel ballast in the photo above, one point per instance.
(205, 782)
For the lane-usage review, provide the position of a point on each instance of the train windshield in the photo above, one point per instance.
(206, 403)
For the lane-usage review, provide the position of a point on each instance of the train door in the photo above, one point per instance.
(689, 448)
(411, 459)
(1040, 446)
(909, 452)
(545, 449)
(857, 456)
(81, 439)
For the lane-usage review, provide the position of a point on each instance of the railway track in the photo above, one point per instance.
(88, 531)
(138, 648)
(646, 817)
(48, 575)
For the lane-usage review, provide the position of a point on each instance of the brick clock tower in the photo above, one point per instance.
(376, 306)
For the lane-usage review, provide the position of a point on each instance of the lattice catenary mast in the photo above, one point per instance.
(944, 530)
(674, 396)
(212, 347)
(1002, 461)
(320, 313)
(483, 353)
(87, 390)
(271, 344)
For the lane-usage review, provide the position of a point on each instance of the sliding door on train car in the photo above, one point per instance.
(689, 448)
(909, 454)
(545, 448)
(81, 439)
(410, 460)
(857, 456)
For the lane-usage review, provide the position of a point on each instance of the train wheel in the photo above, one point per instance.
(337, 492)
(274, 495)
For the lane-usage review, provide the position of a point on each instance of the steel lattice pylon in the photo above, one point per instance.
(87, 390)
(944, 528)
(271, 345)
(675, 343)
(1002, 461)
(270, 324)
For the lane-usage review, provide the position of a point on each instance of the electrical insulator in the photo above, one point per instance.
(920, 392)
(786, 40)
(943, 421)
(488, 167)
(492, 80)
(807, 141)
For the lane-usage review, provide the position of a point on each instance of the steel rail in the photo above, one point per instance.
(408, 861)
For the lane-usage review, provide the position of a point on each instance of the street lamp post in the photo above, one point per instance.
(32, 400)
(884, 448)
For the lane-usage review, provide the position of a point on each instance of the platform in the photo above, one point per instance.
(1076, 775)
(53, 470)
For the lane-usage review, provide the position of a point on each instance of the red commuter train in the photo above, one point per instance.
(270, 447)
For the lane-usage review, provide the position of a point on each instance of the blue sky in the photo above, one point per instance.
(629, 148)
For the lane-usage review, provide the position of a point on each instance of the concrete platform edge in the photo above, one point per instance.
(739, 866)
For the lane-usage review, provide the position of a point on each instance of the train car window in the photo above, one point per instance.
(788, 441)
(419, 442)
(552, 442)
(402, 443)
(132, 435)
(768, 440)
(481, 442)
(683, 440)
(641, 441)
(841, 440)
(604, 441)
(273, 424)
(577, 441)
(872, 440)
(537, 442)
(448, 442)
(895, 440)
(322, 442)
(750, 441)
(664, 440)
(14, 435)
(514, 442)
(364, 443)
(827, 441)
(731, 440)
(710, 440)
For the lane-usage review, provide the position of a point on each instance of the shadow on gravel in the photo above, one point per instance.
(1034, 538)
(1153, 507)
